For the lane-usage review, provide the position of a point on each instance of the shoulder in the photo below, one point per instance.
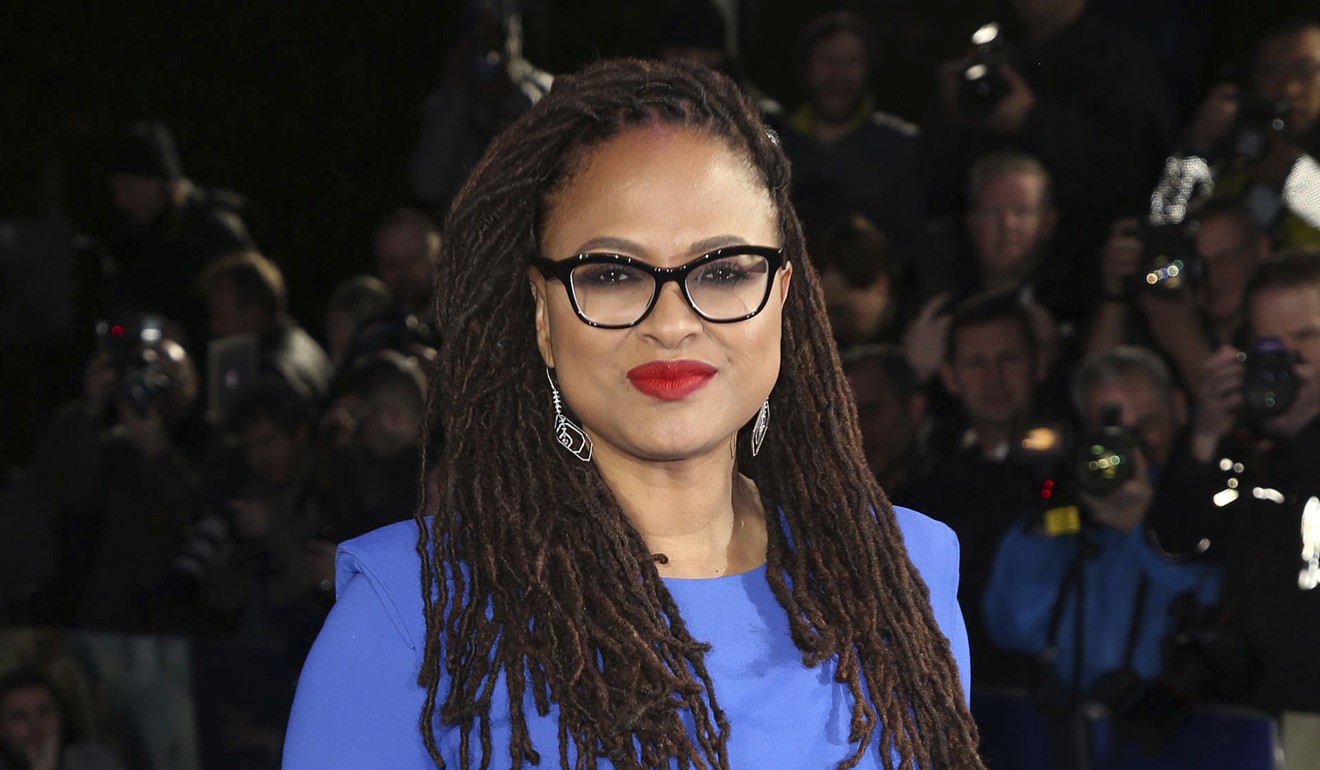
(386, 560)
(358, 695)
(892, 124)
(931, 545)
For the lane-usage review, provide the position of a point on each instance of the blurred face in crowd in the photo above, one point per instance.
(1288, 67)
(139, 199)
(1010, 222)
(1040, 17)
(273, 453)
(228, 315)
(406, 265)
(1153, 417)
(857, 313)
(993, 371)
(1292, 314)
(1230, 253)
(339, 330)
(836, 76)
(30, 720)
(385, 427)
(888, 421)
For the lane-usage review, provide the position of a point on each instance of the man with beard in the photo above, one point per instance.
(847, 156)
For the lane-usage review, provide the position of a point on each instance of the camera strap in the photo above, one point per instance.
(1134, 624)
(1074, 577)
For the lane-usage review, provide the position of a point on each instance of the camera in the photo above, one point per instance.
(1269, 384)
(981, 86)
(1096, 463)
(1258, 120)
(130, 343)
(1105, 459)
(1169, 259)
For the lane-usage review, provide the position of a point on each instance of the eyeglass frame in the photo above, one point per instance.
(563, 271)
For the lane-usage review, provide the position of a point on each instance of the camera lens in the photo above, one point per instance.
(1269, 384)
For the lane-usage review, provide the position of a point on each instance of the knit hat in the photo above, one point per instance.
(145, 149)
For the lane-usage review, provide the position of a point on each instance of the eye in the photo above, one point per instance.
(605, 275)
(729, 272)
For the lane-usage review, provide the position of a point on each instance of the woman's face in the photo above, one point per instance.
(664, 195)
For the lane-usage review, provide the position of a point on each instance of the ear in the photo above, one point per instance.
(1048, 221)
(1179, 407)
(950, 382)
(917, 407)
(537, 284)
(785, 277)
(881, 285)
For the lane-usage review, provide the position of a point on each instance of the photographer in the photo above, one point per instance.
(847, 155)
(1073, 91)
(487, 84)
(1267, 134)
(1186, 323)
(1245, 472)
(1083, 587)
(118, 492)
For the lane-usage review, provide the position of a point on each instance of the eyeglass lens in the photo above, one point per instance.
(722, 289)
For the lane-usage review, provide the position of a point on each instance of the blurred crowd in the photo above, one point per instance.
(1081, 324)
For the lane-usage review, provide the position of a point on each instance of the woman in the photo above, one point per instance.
(654, 540)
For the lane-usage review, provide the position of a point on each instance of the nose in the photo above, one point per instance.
(672, 320)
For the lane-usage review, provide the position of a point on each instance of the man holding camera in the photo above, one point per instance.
(1270, 134)
(115, 485)
(1075, 92)
(1183, 324)
(1250, 464)
(1079, 584)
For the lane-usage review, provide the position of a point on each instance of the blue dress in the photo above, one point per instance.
(358, 701)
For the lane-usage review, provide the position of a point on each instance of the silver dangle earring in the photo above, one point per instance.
(569, 436)
(758, 430)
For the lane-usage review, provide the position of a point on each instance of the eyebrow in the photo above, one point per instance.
(625, 246)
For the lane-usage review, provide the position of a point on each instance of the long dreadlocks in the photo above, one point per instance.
(531, 568)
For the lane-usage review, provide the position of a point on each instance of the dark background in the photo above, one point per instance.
(310, 109)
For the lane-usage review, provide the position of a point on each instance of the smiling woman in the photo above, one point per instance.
(709, 576)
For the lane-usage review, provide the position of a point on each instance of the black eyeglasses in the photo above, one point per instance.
(611, 291)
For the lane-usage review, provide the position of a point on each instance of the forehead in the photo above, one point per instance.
(402, 237)
(868, 380)
(1285, 309)
(989, 336)
(27, 698)
(663, 188)
(1016, 185)
(842, 41)
(1133, 391)
(1286, 48)
(1226, 224)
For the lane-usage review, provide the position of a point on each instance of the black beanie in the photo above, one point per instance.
(145, 149)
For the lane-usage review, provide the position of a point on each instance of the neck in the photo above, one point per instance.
(829, 132)
(1005, 280)
(1225, 328)
(699, 512)
(990, 437)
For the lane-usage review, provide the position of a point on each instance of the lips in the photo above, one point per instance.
(671, 380)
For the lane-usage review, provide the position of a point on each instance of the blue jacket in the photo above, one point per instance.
(1029, 569)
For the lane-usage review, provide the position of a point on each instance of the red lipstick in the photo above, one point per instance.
(671, 380)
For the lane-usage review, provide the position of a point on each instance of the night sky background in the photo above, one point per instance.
(310, 109)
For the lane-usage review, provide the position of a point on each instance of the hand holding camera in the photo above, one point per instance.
(983, 89)
(1268, 386)
(1123, 508)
